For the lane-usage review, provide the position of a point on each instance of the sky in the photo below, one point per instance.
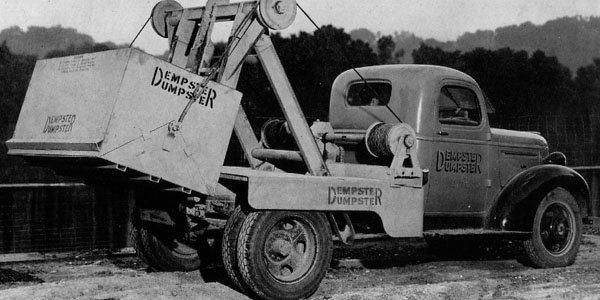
(119, 20)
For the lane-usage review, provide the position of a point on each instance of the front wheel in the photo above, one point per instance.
(284, 254)
(556, 233)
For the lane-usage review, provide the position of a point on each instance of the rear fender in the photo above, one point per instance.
(515, 205)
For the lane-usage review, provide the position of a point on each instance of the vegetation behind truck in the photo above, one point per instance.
(410, 144)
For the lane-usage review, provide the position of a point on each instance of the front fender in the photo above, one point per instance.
(514, 206)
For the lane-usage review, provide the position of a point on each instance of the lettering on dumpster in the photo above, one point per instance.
(361, 196)
(59, 123)
(458, 162)
(78, 63)
(181, 86)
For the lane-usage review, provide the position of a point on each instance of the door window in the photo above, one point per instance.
(458, 106)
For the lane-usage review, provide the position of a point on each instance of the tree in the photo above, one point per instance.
(364, 35)
(436, 56)
(587, 84)
(518, 84)
(312, 62)
(39, 41)
(385, 50)
(74, 49)
(15, 73)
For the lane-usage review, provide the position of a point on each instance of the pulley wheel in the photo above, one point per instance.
(159, 15)
(277, 14)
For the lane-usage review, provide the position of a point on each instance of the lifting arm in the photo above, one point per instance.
(252, 19)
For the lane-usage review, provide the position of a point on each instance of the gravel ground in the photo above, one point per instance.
(373, 269)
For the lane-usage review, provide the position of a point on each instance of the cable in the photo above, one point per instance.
(138, 34)
(352, 66)
(309, 18)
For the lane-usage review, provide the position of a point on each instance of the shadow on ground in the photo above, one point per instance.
(9, 276)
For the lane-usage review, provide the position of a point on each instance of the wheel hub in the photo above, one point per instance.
(555, 229)
(281, 246)
(561, 230)
(289, 250)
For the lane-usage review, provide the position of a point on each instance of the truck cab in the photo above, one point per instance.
(470, 164)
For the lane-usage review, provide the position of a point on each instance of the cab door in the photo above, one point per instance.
(459, 169)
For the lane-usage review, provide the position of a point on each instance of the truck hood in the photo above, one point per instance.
(518, 138)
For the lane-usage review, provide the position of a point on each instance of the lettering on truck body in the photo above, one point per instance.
(458, 162)
(182, 86)
(361, 196)
(59, 123)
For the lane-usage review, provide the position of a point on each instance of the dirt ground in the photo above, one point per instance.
(374, 269)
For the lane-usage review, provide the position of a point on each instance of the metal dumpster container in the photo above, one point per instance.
(116, 106)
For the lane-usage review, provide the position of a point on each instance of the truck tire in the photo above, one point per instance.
(229, 248)
(284, 254)
(162, 251)
(556, 233)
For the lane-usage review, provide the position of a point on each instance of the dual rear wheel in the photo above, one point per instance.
(277, 254)
(267, 254)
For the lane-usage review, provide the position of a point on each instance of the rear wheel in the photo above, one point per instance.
(166, 248)
(556, 233)
(163, 251)
(284, 254)
(229, 248)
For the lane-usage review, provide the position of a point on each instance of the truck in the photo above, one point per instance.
(410, 145)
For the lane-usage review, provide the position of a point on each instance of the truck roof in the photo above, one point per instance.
(411, 85)
(423, 72)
